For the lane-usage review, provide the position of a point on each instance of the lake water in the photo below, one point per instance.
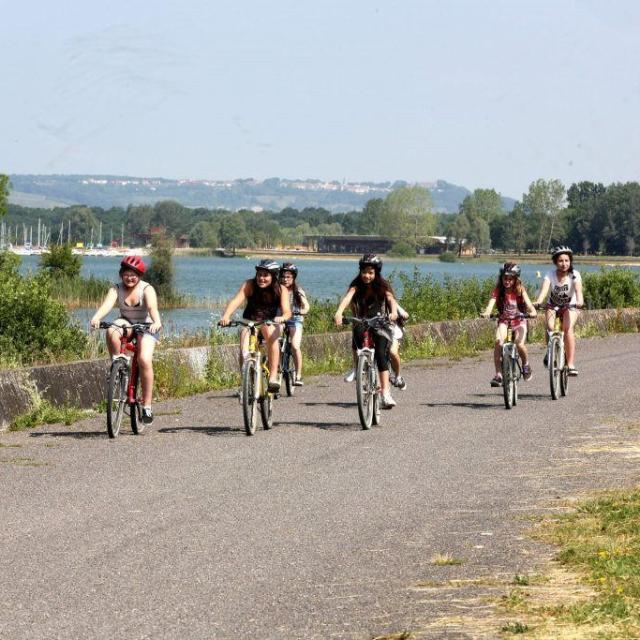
(214, 280)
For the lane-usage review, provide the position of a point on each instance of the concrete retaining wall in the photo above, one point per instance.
(82, 384)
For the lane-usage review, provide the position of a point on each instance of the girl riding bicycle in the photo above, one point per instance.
(369, 295)
(299, 307)
(562, 287)
(264, 297)
(511, 299)
(138, 302)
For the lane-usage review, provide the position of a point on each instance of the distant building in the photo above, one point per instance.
(347, 244)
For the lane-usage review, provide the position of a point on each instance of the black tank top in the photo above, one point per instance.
(262, 304)
(368, 306)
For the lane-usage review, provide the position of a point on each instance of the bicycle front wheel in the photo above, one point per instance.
(250, 386)
(564, 377)
(514, 379)
(554, 366)
(266, 402)
(288, 371)
(365, 391)
(507, 378)
(135, 410)
(116, 396)
(376, 397)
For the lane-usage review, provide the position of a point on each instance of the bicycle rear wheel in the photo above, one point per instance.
(135, 410)
(365, 392)
(116, 396)
(249, 396)
(266, 403)
(554, 366)
(507, 377)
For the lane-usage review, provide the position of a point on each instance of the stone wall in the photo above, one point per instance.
(82, 384)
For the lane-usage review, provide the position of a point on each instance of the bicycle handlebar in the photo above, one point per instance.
(138, 327)
(248, 323)
(519, 316)
(368, 321)
(558, 307)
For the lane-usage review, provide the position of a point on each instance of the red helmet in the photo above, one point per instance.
(135, 263)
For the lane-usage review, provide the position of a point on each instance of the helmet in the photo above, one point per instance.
(290, 267)
(269, 265)
(510, 269)
(371, 260)
(559, 250)
(135, 263)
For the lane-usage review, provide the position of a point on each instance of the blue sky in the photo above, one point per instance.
(482, 94)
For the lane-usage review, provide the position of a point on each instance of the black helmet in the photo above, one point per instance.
(269, 265)
(559, 250)
(371, 260)
(290, 267)
(510, 269)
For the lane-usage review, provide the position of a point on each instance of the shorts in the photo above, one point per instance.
(154, 336)
(294, 323)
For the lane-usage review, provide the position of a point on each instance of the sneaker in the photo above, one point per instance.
(351, 376)
(526, 372)
(238, 394)
(386, 401)
(298, 382)
(274, 386)
(400, 383)
(545, 361)
(147, 415)
(496, 381)
(572, 371)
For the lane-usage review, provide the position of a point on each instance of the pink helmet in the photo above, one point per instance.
(135, 263)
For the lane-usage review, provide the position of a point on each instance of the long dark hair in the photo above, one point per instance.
(295, 290)
(377, 289)
(268, 294)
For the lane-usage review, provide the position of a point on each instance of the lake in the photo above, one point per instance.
(214, 280)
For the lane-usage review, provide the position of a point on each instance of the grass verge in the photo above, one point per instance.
(45, 413)
(595, 591)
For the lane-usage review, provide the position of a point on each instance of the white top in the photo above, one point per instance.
(562, 293)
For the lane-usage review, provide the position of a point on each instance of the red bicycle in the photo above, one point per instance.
(123, 385)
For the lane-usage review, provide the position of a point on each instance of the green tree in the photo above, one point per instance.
(160, 272)
(4, 193)
(84, 224)
(204, 234)
(583, 199)
(60, 261)
(543, 202)
(372, 214)
(408, 215)
(9, 263)
(233, 232)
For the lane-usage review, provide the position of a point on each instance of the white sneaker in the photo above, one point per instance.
(386, 401)
(351, 376)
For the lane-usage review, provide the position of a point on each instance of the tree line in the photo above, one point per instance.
(591, 217)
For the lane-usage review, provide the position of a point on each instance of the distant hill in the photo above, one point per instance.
(274, 194)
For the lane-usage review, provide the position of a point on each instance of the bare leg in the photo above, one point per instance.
(568, 322)
(145, 362)
(295, 335)
(271, 335)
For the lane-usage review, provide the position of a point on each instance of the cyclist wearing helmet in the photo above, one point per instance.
(299, 307)
(137, 302)
(369, 294)
(511, 299)
(562, 287)
(263, 297)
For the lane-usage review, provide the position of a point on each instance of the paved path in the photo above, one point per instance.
(316, 529)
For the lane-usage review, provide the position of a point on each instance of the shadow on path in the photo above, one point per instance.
(80, 435)
(342, 405)
(209, 431)
(325, 426)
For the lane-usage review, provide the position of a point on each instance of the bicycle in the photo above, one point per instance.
(367, 382)
(287, 369)
(255, 380)
(555, 355)
(511, 365)
(123, 385)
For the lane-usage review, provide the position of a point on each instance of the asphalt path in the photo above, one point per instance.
(315, 529)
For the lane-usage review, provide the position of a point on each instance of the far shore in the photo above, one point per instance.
(605, 261)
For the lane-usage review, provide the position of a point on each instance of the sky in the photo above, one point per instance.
(481, 94)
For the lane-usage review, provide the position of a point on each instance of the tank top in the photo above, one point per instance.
(368, 307)
(261, 304)
(138, 312)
